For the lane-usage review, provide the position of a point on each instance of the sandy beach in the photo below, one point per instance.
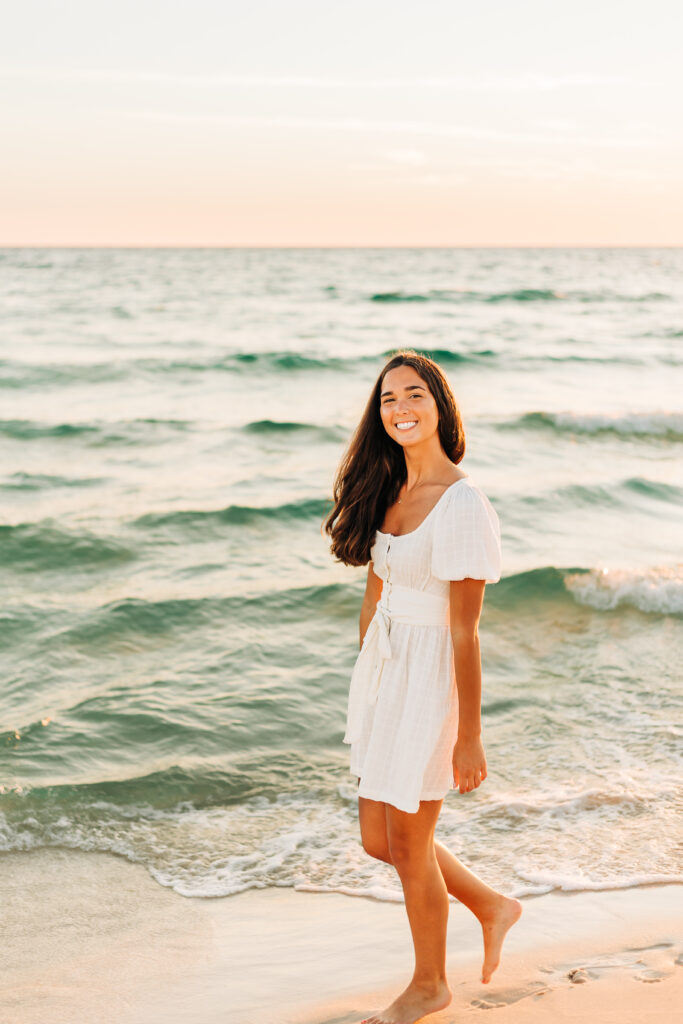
(91, 938)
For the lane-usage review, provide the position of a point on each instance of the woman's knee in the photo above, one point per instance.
(404, 851)
(376, 848)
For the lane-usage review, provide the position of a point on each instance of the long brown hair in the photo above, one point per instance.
(373, 467)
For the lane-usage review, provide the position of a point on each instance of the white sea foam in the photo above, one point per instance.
(558, 802)
(657, 589)
(526, 839)
(548, 881)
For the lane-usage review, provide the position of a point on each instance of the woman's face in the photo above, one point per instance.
(406, 399)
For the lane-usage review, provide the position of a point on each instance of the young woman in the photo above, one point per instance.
(431, 540)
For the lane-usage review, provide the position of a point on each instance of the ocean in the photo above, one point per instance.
(176, 639)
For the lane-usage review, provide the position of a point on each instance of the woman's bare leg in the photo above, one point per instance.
(411, 845)
(496, 913)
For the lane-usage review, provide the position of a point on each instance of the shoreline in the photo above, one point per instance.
(91, 938)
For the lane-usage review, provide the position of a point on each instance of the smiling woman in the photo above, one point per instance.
(373, 475)
(414, 709)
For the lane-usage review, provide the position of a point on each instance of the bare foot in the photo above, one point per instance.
(413, 1004)
(495, 926)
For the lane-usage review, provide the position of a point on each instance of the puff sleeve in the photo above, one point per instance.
(466, 537)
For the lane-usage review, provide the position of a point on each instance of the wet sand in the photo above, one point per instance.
(90, 938)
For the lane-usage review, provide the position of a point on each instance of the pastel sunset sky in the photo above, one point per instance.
(363, 122)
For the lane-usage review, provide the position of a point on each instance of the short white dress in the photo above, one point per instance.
(402, 716)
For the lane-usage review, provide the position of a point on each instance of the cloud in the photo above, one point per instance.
(416, 128)
(528, 81)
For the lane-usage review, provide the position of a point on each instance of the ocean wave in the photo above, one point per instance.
(664, 332)
(466, 295)
(145, 790)
(136, 621)
(289, 361)
(447, 355)
(29, 376)
(516, 590)
(521, 594)
(660, 489)
(134, 431)
(45, 482)
(308, 839)
(515, 295)
(572, 357)
(40, 546)
(139, 622)
(622, 793)
(276, 360)
(29, 430)
(658, 590)
(238, 515)
(543, 882)
(198, 852)
(17, 375)
(614, 494)
(324, 433)
(664, 425)
(19, 624)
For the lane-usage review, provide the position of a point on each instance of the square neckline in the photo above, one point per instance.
(397, 536)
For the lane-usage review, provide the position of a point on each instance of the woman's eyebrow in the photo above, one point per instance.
(408, 387)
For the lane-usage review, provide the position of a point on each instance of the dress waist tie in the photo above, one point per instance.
(397, 604)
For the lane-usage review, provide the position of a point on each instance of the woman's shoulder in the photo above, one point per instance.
(465, 489)
(466, 539)
(466, 496)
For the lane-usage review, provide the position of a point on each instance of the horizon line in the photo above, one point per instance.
(199, 245)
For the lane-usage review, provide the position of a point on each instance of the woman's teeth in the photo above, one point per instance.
(406, 425)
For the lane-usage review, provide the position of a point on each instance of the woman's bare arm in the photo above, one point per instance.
(373, 592)
(469, 760)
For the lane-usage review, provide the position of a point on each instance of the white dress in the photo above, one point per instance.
(402, 717)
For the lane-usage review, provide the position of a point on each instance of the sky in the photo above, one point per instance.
(355, 123)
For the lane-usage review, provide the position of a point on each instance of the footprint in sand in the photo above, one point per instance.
(650, 976)
(648, 964)
(509, 996)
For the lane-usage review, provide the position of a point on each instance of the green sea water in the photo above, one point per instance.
(176, 640)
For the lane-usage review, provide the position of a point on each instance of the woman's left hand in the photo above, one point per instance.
(469, 764)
